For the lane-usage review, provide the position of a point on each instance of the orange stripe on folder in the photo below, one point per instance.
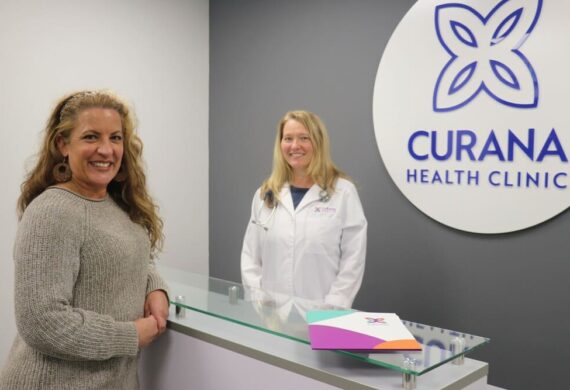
(399, 344)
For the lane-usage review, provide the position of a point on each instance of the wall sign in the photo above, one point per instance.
(472, 113)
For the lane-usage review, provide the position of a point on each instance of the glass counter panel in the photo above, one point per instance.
(285, 316)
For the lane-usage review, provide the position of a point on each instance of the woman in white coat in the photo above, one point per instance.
(307, 236)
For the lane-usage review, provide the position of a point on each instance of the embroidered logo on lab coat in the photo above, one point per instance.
(324, 211)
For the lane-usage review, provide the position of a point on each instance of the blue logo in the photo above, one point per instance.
(485, 55)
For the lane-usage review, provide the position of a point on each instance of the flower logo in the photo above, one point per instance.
(375, 321)
(485, 55)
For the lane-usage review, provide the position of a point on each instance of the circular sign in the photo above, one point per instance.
(471, 112)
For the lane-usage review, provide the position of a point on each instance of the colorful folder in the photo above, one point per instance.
(358, 330)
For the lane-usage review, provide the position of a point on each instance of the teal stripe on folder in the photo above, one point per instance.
(314, 316)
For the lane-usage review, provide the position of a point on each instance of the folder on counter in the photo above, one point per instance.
(359, 331)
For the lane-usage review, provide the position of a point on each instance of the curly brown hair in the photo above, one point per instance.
(130, 194)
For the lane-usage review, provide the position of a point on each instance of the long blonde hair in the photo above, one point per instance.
(131, 194)
(321, 169)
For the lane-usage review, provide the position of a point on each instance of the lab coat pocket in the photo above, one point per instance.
(323, 230)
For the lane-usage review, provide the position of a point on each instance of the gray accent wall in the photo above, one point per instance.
(271, 56)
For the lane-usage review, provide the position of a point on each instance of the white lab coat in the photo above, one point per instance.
(316, 251)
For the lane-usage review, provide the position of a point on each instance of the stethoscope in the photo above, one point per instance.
(324, 196)
(270, 199)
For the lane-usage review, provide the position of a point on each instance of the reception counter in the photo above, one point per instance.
(221, 336)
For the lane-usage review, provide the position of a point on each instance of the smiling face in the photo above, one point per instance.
(296, 146)
(94, 150)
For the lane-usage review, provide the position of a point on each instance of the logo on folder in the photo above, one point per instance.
(470, 112)
(375, 320)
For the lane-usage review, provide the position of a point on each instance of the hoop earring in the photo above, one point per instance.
(61, 171)
(121, 176)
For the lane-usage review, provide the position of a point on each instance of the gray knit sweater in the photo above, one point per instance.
(83, 270)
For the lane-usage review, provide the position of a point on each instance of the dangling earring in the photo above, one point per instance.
(61, 171)
(121, 176)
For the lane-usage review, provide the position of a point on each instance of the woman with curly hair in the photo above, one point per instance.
(87, 295)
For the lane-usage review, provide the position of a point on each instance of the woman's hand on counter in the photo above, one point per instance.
(156, 304)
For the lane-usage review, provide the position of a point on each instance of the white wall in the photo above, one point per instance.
(154, 53)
